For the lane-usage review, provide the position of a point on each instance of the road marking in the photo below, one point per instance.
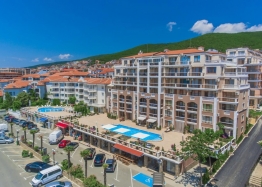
(116, 172)
(74, 152)
(6, 147)
(81, 159)
(28, 177)
(9, 151)
(131, 177)
(92, 164)
(20, 160)
(72, 181)
(22, 173)
(12, 155)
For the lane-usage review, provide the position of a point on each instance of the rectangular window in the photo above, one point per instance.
(197, 58)
(117, 71)
(102, 100)
(241, 52)
(207, 119)
(207, 107)
(211, 70)
(172, 59)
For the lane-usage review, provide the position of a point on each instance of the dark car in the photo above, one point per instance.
(59, 184)
(36, 166)
(31, 125)
(16, 121)
(99, 159)
(92, 153)
(24, 124)
(21, 122)
(7, 117)
(35, 128)
(73, 144)
(111, 165)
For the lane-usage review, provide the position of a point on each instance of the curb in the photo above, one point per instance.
(232, 154)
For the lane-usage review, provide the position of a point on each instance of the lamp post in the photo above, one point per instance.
(53, 156)
(17, 142)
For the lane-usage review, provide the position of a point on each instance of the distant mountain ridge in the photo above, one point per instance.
(219, 41)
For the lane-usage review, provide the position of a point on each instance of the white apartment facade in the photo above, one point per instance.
(252, 60)
(92, 91)
(191, 88)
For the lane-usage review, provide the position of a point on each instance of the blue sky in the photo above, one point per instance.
(33, 32)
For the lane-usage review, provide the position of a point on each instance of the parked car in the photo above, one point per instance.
(111, 165)
(16, 121)
(36, 166)
(24, 124)
(59, 184)
(47, 175)
(63, 143)
(21, 122)
(92, 153)
(73, 144)
(35, 128)
(6, 139)
(31, 125)
(99, 159)
(7, 117)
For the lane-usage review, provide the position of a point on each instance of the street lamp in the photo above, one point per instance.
(17, 142)
(53, 156)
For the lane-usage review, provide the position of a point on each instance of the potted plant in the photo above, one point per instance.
(157, 148)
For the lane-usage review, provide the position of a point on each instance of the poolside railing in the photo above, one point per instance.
(157, 154)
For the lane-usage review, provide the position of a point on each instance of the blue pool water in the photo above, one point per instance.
(50, 109)
(144, 179)
(135, 133)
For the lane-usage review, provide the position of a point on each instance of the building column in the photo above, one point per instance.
(98, 143)
(177, 169)
(145, 161)
(91, 140)
(83, 137)
(161, 167)
(109, 147)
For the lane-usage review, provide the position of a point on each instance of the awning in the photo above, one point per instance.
(128, 150)
(62, 125)
(151, 120)
(141, 118)
(43, 119)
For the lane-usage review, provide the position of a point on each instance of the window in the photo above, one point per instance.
(242, 118)
(125, 62)
(241, 52)
(243, 105)
(207, 119)
(102, 93)
(102, 87)
(117, 71)
(211, 69)
(242, 128)
(197, 58)
(172, 59)
(207, 107)
(230, 59)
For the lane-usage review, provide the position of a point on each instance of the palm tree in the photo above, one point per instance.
(68, 149)
(105, 166)
(11, 124)
(33, 133)
(24, 129)
(85, 154)
(41, 140)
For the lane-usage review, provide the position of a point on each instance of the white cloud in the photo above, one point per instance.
(231, 28)
(47, 59)
(35, 60)
(170, 25)
(64, 56)
(202, 27)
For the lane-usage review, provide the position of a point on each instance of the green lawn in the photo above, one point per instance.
(254, 114)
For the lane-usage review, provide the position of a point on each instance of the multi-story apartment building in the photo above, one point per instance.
(252, 59)
(189, 88)
(10, 73)
(92, 91)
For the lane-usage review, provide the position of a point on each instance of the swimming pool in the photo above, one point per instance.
(133, 132)
(50, 109)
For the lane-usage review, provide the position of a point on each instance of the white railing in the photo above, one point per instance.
(228, 99)
(169, 95)
(227, 112)
(208, 98)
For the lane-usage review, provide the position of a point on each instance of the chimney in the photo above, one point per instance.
(200, 48)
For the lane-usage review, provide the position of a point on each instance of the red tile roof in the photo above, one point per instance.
(106, 70)
(1, 93)
(31, 76)
(18, 84)
(4, 80)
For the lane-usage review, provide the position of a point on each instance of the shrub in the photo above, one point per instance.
(11, 134)
(205, 178)
(64, 164)
(239, 139)
(31, 155)
(25, 153)
(29, 144)
(36, 148)
(91, 181)
(46, 158)
(77, 171)
(248, 127)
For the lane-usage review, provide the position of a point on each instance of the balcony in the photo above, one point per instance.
(207, 122)
(178, 107)
(54, 91)
(233, 86)
(122, 108)
(234, 74)
(121, 100)
(91, 97)
(177, 63)
(129, 109)
(168, 107)
(227, 124)
(228, 100)
(207, 109)
(181, 118)
(169, 95)
(191, 86)
(128, 101)
(192, 109)
(142, 113)
(69, 86)
(91, 90)
(208, 99)
(153, 115)
(153, 105)
(55, 86)
(192, 120)
(143, 104)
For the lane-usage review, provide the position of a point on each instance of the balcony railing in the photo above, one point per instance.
(180, 107)
(143, 104)
(235, 73)
(152, 104)
(207, 121)
(121, 100)
(121, 108)
(180, 118)
(128, 109)
(227, 99)
(207, 109)
(208, 98)
(192, 109)
(181, 85)
(192, 120)
(128, 100)
(152, 115)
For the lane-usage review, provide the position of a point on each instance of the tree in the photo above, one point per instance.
(23, 97)
(33, 133)
(85, 154)
(16, 105)
(105, 166)
(32, 95)
(72, 100)
(68, 149)
(92, 182)
(11, 125)
(56, 102)
(24, 129)
(198, 146)
(8, 101)
(1, 100)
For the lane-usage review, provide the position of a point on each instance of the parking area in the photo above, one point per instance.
(122, 176)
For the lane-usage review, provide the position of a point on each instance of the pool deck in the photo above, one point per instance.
(169, 138)
(53, 114)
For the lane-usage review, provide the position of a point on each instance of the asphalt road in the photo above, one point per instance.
(237, 170)
(9, 171)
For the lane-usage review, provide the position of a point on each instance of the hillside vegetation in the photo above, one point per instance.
(219, 41)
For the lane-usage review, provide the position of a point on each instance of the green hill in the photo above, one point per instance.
(219, 41)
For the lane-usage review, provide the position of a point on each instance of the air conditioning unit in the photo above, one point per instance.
(237, 93)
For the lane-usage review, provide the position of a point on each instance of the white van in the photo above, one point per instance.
(55, 137)
(3, 127)
(47, 175)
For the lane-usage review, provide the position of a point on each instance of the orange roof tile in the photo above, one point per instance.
(44, 74)
(18, 84)
(142, 55)
(182, 51)
(31, 76)
(98, 80)
(4, 80)
(74, 73)
(40, 83)
(106, 70)
(1, 93)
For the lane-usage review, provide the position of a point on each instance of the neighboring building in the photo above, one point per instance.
(190, 88)
(1, 93)
(17, 87)
(3, 83)
(9, 73)
(252, 59)
(92, 91)
(102, 72)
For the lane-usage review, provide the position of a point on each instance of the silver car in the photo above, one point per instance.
(59, 184)
(6, 139)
